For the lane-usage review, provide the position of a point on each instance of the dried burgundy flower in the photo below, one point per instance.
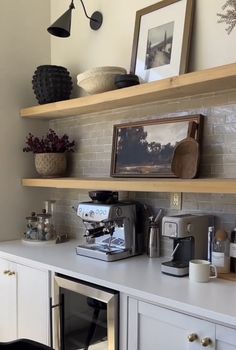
(51, 143)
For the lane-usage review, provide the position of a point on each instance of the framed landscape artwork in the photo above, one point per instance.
(162, 40)
(145, 148)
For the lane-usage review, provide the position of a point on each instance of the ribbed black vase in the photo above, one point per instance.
(51, 83)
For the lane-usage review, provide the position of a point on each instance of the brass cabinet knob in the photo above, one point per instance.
(11, 273)
(206, 342)
(6, 272)
(192, 337)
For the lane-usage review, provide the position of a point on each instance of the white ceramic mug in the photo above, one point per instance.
(200, 270)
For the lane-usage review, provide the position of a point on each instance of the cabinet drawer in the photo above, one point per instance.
(225, 338)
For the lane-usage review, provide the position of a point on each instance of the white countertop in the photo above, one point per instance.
(139, 276)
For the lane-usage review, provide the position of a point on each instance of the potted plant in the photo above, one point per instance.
(50, 152)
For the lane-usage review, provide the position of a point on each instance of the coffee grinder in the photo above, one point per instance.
(189, 235)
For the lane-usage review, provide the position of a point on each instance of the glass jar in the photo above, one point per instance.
(45, 227)
(220, 251)
(31, 227)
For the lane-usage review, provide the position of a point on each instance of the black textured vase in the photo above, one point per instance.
(51, 83)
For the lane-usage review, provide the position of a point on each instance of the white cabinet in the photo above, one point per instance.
(8, 301)
(225, 338)
(24, 302)
(155, 328)
(33, 303)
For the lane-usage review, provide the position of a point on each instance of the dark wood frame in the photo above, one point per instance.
(190, 118)
(186, 36)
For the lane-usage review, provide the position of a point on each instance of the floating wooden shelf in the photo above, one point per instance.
(228, 276)
(138, 185)
(186, 85)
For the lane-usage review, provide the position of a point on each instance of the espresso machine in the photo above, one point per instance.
(110, 229)
(190, 238)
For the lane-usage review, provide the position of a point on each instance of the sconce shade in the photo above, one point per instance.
(62, 25)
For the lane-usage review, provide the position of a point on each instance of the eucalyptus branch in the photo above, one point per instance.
(229, 17)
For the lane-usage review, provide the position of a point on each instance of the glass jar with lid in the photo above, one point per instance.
(31, 227)
(45, 227)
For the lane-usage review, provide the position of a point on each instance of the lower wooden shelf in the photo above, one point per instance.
(206, 185)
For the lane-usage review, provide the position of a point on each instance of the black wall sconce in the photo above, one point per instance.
(61, 27)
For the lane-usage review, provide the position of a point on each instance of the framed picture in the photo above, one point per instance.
(162, 40)
(145, 148)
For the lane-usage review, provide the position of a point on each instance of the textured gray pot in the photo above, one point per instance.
(50, 164)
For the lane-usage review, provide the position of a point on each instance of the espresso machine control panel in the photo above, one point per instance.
(183, 225)
(89, 212)
(96, 213)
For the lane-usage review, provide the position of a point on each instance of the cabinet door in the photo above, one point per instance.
(152, 327)
(225, 338)
(123, 321)
(33, 304)
(8, 321)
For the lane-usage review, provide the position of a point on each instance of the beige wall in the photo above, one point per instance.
(24, 46)
(112, 43)
(211, 45)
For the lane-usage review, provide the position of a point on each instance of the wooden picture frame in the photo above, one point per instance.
(161, 40)
(145, 148)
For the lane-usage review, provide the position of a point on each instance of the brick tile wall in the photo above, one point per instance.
(93, 135)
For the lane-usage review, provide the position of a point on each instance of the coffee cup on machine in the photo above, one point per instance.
(201, 270)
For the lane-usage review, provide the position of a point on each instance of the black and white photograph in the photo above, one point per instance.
(161, 40)
(146, 148)
(159, 45)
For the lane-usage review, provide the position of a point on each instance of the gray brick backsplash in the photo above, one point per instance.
(211, 140)
(93, 135)
(231, 118)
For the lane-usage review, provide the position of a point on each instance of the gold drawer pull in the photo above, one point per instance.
(192, 337)
(206, 342)
(11, 273)
(6, 272)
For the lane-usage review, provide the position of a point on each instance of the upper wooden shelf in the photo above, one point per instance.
(186, 85)
(138, 185)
